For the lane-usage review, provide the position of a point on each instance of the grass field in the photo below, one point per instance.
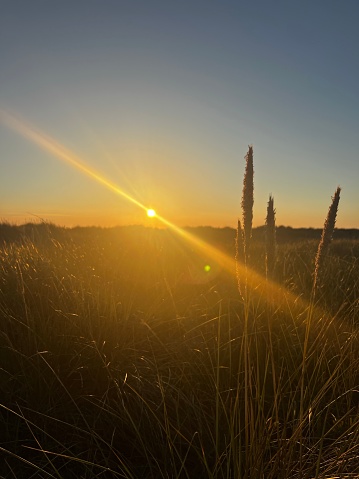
(129, 353)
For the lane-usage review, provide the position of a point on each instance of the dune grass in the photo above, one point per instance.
(122, 357)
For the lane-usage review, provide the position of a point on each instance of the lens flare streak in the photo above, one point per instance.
(59, 151)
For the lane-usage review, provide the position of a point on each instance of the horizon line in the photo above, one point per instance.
(4, 222)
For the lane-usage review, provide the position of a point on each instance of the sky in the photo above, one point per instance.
(160, 100)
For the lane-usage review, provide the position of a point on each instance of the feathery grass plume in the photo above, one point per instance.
(239, 254)
(326, 238)
(270, 237)
(247, 202)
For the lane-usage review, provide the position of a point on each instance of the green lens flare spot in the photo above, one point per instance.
(207, 268)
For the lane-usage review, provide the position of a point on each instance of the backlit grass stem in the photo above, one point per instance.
(239, 255)
(326, 238)
(270, 237)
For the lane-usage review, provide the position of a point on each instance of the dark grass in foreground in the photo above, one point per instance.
(121, 356)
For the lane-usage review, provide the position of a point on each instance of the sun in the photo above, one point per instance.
(151, 213)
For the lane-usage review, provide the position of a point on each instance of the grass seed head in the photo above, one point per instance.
(326, 238)
(247, 202)
(270, 237)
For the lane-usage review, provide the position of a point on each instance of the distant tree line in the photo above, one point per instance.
(219, 236)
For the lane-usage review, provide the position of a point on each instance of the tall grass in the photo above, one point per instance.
(239, 256)
(270, 238)
(115, 364)
(326, 238)
(247, 203)
(244, 235)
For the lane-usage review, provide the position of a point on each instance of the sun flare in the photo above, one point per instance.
(268, 289)
(151, 213)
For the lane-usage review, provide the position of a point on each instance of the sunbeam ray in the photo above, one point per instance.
(60, 152)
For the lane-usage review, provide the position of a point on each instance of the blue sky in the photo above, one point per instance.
(163, 98)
